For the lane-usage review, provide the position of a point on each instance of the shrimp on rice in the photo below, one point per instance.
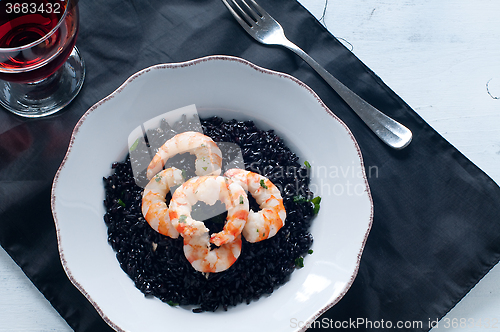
(208, 154)
(154, 207)
(209, 189)
(268, 221)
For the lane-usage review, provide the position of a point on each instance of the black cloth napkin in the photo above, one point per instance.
(436, 227)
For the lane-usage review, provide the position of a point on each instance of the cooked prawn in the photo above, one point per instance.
(208, 154)
(154, 207)
(209, 189)
(203, 259)
(268, 221)
(237, 205)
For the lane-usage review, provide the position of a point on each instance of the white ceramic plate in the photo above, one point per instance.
(231, 88)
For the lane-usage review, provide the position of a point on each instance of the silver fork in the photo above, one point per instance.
(265, 29)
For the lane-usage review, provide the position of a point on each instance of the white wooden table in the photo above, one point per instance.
(442, 58)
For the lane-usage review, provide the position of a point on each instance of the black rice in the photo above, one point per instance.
(157, 264)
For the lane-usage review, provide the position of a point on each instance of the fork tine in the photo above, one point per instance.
(238, 18)
(255, 15)
(247, 17)
(261, 10)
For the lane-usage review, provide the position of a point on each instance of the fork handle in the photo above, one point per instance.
(388, 130)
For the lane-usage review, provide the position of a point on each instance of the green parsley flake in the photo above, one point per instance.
(310, 251)
(299, 199)
(241, 199)
(262, 184)
(205, 168)
(121, 202)
(316, 200)
(307, 164)
(183, 218)
(299, 262)
(184, 174)
(172, 303)
(134, 146)
(157, 178)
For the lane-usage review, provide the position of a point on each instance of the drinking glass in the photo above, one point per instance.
(41, 70)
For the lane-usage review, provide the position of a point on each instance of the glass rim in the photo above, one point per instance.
(42, 39)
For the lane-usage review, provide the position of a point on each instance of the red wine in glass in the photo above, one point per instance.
(41, 70)
(45, 26)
